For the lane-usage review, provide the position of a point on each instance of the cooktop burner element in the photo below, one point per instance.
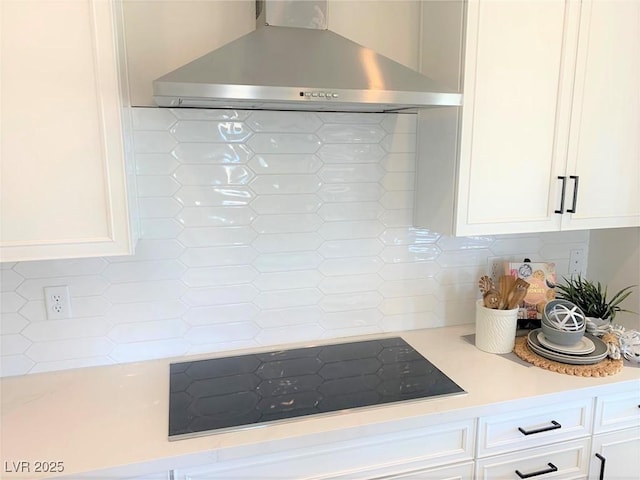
(246, 390)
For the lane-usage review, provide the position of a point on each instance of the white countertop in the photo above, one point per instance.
(104, 417)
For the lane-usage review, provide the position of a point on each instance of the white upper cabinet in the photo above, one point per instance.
(514, 82)
(63, 172)
(539, 145)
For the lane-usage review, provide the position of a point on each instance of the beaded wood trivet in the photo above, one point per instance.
(604, 368)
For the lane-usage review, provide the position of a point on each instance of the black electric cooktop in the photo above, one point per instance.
(247, 390)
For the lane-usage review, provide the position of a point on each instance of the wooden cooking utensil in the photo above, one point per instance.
(491, 299)
(517, 293)
(485, 284)
(505, 284)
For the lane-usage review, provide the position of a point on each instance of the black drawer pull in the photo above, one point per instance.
(603, 460)
(564, 189)
(552, 468)
(554, 426)
(575, 193)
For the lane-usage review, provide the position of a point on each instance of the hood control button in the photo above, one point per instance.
(328, 95)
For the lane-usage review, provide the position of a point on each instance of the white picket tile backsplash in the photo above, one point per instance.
(258, 228)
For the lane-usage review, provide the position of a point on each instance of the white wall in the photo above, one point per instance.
(258, 229)
(162, 35)
(390, 27)
(614, 260)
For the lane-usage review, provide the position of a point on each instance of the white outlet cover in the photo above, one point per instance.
(576, 262)
(57, 302)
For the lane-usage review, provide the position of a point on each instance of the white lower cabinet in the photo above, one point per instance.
(571, 435)
(547, 441)
(595, 436)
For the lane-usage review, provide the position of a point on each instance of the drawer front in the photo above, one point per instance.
(564, 460)
(369, 457)
(615, 411)
(534, 426)
(461, 471)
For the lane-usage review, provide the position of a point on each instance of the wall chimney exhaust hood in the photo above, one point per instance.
(292, 62)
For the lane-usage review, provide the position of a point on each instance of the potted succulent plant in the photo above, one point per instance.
(592, 297)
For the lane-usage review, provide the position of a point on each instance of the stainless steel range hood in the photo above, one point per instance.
(300, 67)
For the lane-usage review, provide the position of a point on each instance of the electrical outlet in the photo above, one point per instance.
(57, 302)
(576, 261)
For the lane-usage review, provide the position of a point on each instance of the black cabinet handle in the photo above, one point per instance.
(552, 468)
(603, 461)
(554, 425)
(575, 193)
(564, 189)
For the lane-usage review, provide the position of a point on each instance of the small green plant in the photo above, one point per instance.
(592, 297)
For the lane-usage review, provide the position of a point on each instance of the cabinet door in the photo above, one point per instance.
(518, 79)
(63, 177)
(604, 148)
(618, 455)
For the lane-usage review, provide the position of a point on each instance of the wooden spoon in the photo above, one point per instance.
(505, 284)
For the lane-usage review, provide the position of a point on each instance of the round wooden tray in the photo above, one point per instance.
(604, 368)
